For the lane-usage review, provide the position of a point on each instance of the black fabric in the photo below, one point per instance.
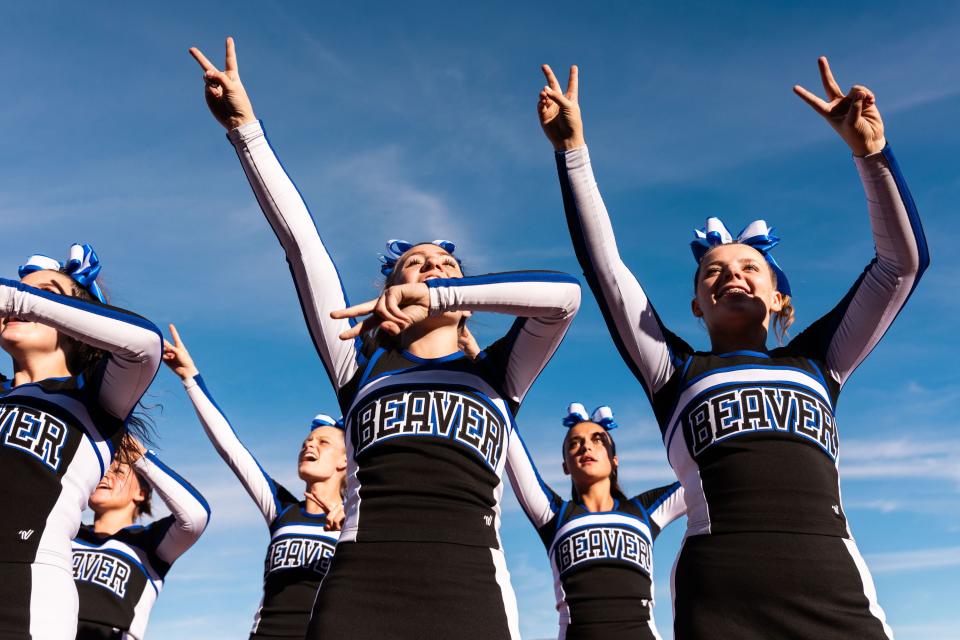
(428, 445)
(110, 583)
(15, 588)
(770, 585)
(289, 589)
(94, 631)
(621, 630)
(409, 591)
(604, 568)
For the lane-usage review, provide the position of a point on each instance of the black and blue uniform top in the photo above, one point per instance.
(300, 547)
(58, 436)
(753, 436)
(426, 438)
(120, 576)
(602, 561)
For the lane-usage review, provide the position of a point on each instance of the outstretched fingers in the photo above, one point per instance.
(552, 81)
(231, 61)
(830, 85)
(356, 310)
(175, 335)
(573, 83)
(821, 107)
(202, 59)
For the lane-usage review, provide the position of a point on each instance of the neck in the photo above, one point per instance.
(36, 367)
(109, 522)
(322, 492)
(753, 339)
(597, 496)
(425, 341)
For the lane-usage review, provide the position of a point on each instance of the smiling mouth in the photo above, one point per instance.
(735, 291)
(308, 457)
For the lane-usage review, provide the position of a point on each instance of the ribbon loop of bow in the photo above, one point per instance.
(757, 234)
(83, 265)
(577, 413)
(396, 248)
(323, 420)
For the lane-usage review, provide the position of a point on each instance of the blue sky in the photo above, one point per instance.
(417, 120)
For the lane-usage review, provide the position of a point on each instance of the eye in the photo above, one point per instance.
(413, 260)
(751, 266)
(712, 270)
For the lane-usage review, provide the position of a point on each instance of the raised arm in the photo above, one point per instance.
(189, 510)
(133, 343)
(259, 485)
(853, 328)
(543, 301)
(646, 346)
(537, 500)
(663, 505)
(315, 276)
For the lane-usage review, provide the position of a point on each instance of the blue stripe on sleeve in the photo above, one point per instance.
(266, 476)
(504, 278)
(183, 483)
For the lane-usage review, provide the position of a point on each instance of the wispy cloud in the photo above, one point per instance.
(914, 560)
(901, 458)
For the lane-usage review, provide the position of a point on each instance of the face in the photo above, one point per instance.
(425, 262)
(118, 489)
(586, 458)
(19, 337)
(735, 289)
(323, 455)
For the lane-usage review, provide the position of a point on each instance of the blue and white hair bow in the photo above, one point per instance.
(396, 248)
(757, 235)
(83, 265)
(577, 413)
(323, 420)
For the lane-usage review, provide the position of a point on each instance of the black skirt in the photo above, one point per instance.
(414, 590)
(768, 585)
(623, 630)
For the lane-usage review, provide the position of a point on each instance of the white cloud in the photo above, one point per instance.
(914, 560)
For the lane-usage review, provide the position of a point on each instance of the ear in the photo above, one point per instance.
(342, 463)
(776, 304)
(615, 462)
(695, 308)
(566, 471)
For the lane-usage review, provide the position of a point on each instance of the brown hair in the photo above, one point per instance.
(781, 319)
(145, 506)
(611, 448)
(82, 357)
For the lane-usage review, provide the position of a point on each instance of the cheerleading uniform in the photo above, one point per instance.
(119, 576)
(57, 439)
(300, 548)
(426, 438)
(602, 561)
(752, 436)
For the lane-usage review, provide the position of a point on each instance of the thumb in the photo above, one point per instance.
(856, 110)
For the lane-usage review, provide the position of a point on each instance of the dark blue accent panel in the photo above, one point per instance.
(503, 278)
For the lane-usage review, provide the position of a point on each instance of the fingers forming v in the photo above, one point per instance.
(175, 335)
(830, 85)
(202, 59)
(814, 101)
(573, 83)
(551, 79)
(231, 62)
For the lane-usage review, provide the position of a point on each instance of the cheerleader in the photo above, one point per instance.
(427, 427)
(303, 532)
(600, 542)
(120, 567)
(80, 367)
(751, 431)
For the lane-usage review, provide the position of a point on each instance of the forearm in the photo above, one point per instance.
(315, 275)
(190, 510)
(254, 479)
(134, 343)
(536, 499)
(633, 323)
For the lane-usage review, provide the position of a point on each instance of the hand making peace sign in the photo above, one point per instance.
(559, 112)
(226, 97)
(854, 115)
